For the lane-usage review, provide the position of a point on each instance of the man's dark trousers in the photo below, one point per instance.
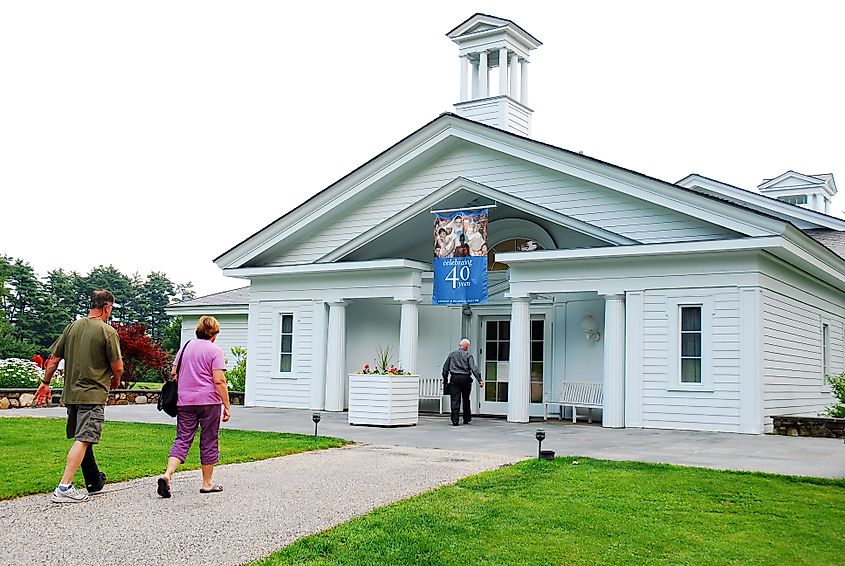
(459, 389)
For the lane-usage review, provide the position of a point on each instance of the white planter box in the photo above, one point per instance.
(384, 400)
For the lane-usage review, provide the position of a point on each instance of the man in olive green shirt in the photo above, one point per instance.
(93, 363)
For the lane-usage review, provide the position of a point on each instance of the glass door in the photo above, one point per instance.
(495, 365)
(495, 355)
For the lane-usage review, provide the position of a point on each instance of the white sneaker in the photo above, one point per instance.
(70, 495)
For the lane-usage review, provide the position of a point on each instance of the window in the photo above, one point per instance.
(794, 199)
(286, 343)
(511, 245)
(691, 340)
(826, 369)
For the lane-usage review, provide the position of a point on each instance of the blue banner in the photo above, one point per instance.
(460, 258)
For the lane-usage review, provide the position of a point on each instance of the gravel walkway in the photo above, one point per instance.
(265, 506)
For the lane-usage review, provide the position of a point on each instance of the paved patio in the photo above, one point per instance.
(823, 457)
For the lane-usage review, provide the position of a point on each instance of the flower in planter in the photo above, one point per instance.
(383, 364)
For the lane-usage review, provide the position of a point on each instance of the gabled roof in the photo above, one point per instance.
(479, 23)
(449, 127)
(809, 179)
(236, 299)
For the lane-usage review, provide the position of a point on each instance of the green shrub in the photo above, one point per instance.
(837, 383)
(19, 374)
(236, 375)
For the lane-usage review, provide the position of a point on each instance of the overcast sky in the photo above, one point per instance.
(157, 135)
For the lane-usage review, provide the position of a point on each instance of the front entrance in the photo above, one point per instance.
(494, 355)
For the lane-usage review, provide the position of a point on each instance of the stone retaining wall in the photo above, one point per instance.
(825, 427)
(15, 398)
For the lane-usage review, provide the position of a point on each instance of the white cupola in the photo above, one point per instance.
(486, 43)
(809, 191)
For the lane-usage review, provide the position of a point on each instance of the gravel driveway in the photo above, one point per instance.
(265, 505)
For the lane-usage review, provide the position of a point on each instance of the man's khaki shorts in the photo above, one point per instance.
(85, 422)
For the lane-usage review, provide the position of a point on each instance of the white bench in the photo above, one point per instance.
(432, 388)
(575, 394)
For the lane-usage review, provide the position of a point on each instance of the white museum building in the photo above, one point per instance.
(695, 305)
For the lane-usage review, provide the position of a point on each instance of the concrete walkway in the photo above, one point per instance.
(269, 504)
(264, 506)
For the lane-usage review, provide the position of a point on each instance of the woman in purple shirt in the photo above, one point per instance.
(202, 390)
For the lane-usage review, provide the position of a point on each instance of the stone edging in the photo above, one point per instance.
(825, 427)
(16, 398)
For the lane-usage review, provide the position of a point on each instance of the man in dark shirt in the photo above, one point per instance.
(459, 365)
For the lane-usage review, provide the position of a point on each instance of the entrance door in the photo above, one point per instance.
(495, 355)
(495, 366)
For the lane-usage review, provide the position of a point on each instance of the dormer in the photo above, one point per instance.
(809, 191)
(490, 45)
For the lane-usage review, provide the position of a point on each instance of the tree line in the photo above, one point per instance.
(35, 310)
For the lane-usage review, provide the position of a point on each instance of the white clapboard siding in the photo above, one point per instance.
(233, 331)
(792, 354)
(271, 389)
(565, 194)
(716, 410)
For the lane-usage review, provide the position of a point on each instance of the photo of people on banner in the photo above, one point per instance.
(460, 257)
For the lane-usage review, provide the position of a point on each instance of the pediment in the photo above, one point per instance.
(790, 180)
(408, 234)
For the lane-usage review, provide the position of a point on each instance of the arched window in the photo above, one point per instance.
(510, 245)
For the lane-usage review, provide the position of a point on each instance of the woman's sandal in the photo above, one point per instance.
(214, 489)
(163, 488)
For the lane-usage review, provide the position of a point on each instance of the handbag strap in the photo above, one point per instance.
(179, 362)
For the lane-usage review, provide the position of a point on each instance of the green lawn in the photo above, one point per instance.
(596, 512)
(33, 451)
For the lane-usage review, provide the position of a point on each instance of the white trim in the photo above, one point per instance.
(673, 346)
(634, 326)
(279, 312)
(212, 309)
(751, 360)
(252, 354)
(643, 250)
(462, 209)
(328, 268)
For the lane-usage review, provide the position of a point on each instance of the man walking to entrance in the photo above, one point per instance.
(94, 364)
(459, 365)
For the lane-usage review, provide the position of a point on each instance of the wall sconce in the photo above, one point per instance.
(467, 311)
(588, 325)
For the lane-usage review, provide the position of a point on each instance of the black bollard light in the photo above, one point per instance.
(316, 418)
(540, 435)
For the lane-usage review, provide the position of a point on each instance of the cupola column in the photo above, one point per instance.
(503, 70)
(483, 72)
(514, 75)
(464, 77)
(523, 72)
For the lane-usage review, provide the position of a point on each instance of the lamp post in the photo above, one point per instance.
(540, 435)
(316, 418)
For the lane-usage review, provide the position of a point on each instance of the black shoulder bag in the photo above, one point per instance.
(168, 399)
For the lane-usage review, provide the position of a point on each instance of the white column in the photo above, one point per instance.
(613, 411)
(514, 75)
(318, 357)
(336, 357)
(251, 354)
(409, 335)
(520, 361)
(464, 77)
(634, 301)
(523, 73)
(503, 70)
(474, 94)
(751, 416)
(483, 71)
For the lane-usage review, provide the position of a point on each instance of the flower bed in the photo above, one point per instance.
(21, 398)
